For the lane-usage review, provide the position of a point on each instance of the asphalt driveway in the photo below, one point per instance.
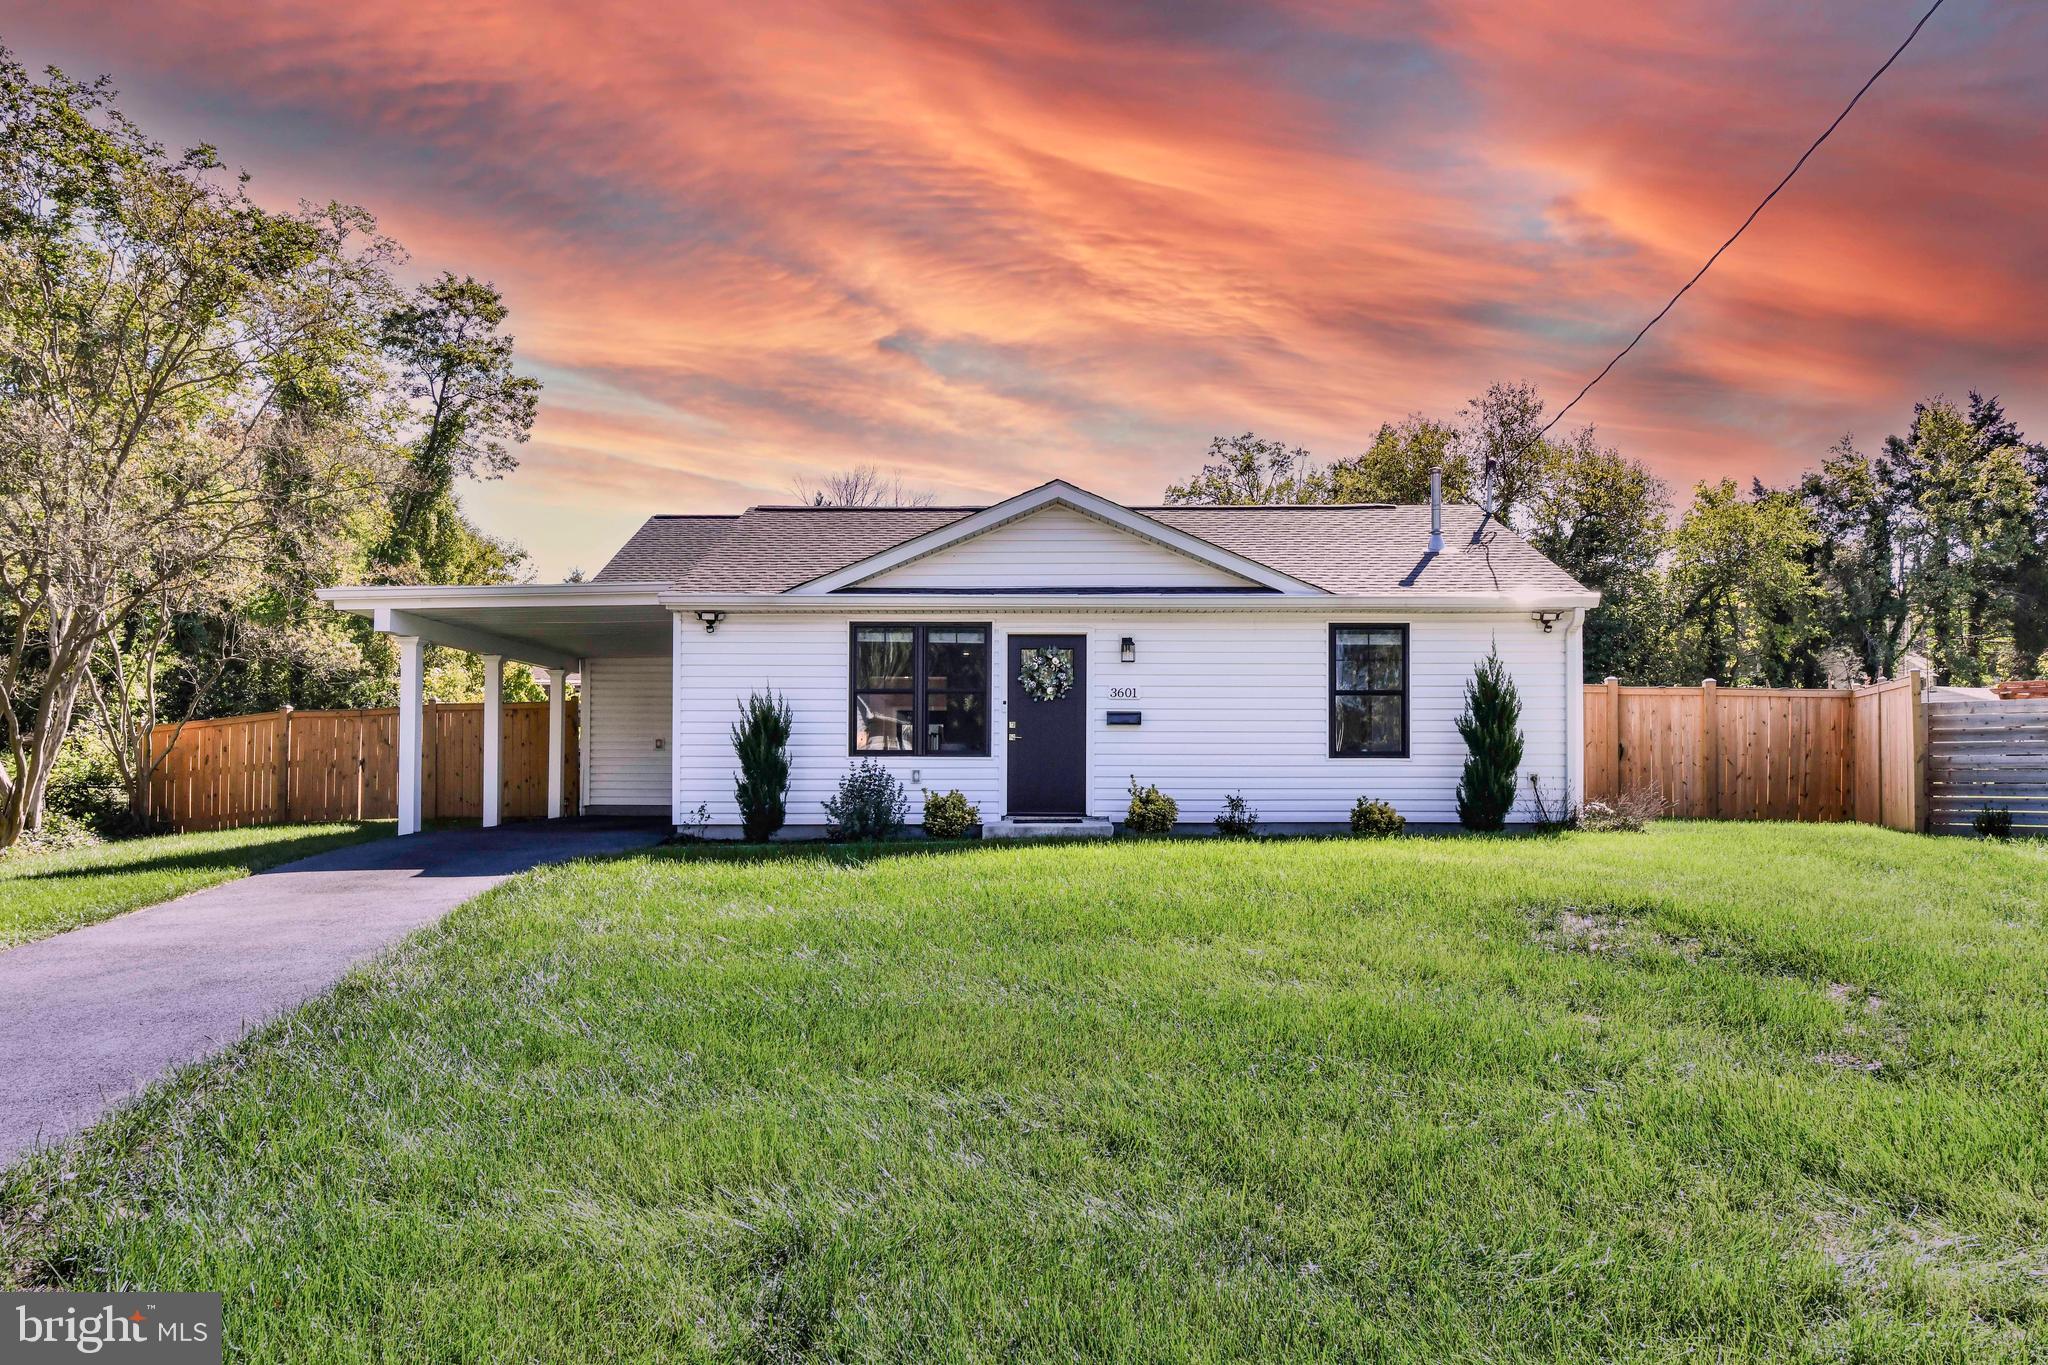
(91, 1017)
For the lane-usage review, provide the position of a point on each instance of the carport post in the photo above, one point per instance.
(556, 679)
(409, 731)
(494, 689)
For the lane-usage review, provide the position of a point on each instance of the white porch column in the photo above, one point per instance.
(410, 731)
(494, 690)
(556, 680)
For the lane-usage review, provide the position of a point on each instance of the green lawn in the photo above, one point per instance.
(46, 893)
(1710, 1091)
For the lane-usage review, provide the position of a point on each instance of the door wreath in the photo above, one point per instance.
(1046, 674)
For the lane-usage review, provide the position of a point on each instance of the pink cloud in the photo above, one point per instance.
(989, 244)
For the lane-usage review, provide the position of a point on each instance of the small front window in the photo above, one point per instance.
(920, 689)
(1369, 691)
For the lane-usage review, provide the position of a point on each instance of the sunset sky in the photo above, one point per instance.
(989, 244)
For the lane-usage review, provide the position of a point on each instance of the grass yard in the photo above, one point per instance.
(1710, 1091)
(46, 893)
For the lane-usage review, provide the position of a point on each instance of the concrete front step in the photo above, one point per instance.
(1047, 829)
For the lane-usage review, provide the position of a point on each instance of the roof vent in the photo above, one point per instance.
(1436, 511)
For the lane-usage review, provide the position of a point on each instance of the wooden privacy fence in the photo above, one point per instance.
(307, 767)
(1985, 752)
(1763, 753)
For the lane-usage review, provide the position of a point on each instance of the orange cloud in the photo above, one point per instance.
(988, 244)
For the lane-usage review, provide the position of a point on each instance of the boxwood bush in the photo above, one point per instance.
(949, 816)
(1376, 819)
(1152, 810)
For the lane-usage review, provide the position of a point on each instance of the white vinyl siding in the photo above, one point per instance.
(1056, 547)
(625, 713)
(1232, 701)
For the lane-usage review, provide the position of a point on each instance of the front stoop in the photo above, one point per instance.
(1047, 829)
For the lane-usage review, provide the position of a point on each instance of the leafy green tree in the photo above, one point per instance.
(1396, 466)
(1968, 505)
(153, 321)
(1244, 469)
(1936, 544)
(1742, 603)
(1600, 517)
(1491, 728)
(468, 409)
(1853, 502)
(1500, 433)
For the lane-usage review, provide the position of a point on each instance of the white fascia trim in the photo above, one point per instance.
(1059, 491)
(869, 604)
(365, 600)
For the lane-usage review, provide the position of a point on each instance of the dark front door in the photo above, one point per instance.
(1048, 739)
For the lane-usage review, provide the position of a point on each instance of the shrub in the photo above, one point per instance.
(1152, 810)
(1548, 816)
(1993, 822)
(869, 804)
(761, 740)
(86, 793)
(59, 832)
(1376, 819)
(1237, 819)
(1491, 729)
(692, 824)
(1627, 813)
(949, 816)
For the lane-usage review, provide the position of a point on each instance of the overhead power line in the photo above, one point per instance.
(1669, 305)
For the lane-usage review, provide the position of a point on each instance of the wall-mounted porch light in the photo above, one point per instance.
(1129, 650)
(1546, 619)
(712, 618)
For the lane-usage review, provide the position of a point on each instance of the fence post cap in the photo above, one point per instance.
(1611, 678)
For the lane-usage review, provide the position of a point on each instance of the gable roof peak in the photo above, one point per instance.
(1260, 575)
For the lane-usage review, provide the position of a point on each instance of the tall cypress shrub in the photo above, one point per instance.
(761, 740)
(1491, 726)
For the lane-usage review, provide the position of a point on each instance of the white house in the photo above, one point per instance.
(1036, 655)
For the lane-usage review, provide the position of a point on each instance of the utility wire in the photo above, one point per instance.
(1745, 222)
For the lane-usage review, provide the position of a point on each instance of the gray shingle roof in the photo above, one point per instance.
(1350, 550)
(662, 548)
(1366, 550)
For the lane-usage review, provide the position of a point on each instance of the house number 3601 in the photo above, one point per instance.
(1123, 694)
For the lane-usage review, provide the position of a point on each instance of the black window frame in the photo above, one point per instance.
(920, 689)
(1407, 680)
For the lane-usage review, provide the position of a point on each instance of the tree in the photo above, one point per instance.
(1491, 728)
(1244, 470)
(1853, 502)
(1500, 435)
(1934, 544)
(1742, 604)
(1600, 517)
(2030, 575)
(467, 409)
(151, 320)
(1397, 465)
(1969, 504)
(864, 485)
(760, 740)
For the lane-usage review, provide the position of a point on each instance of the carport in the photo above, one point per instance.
(552, 627)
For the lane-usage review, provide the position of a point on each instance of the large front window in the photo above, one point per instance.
(1369, 691)
(920, 689)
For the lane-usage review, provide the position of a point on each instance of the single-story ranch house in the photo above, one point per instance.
(1036, 655)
